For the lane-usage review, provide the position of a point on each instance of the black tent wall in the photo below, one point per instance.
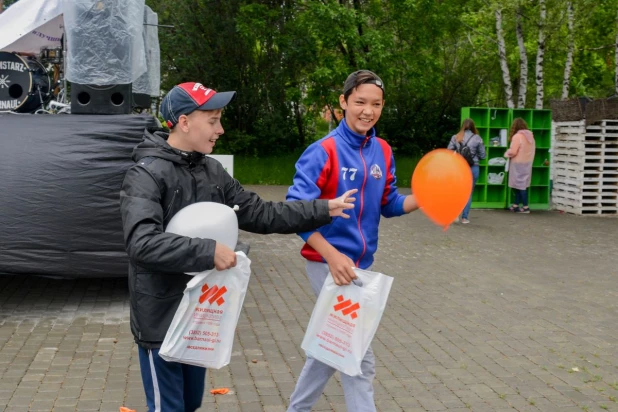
(60, 178)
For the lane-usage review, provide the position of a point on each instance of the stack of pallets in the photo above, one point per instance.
(585, 167)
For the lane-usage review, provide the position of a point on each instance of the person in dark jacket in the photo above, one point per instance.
(469, 136)
(172, 171)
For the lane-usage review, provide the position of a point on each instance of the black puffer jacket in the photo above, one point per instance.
(162, 182)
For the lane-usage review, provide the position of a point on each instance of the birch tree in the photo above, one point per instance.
(616, 56)
(506, 77)
(571, 47)
(539, 56)
(523, 62)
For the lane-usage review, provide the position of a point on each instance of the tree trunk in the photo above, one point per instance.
(616, 56)
(1, 6)
(569, 59)
(539, 56)
(523, 62)
(506, 77)
(357, 7)
(299, 124)
(333, 118)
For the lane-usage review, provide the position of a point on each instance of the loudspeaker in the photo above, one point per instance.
(141, 101)
(92, 99)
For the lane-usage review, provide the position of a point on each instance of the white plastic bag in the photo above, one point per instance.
(202, 331)
(345, 319)
(495, 178)
(497, 161)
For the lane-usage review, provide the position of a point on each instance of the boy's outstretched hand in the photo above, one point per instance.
(338, 205)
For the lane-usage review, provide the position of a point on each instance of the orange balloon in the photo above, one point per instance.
(441, 184)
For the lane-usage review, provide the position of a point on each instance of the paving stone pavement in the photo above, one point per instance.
(509, 313)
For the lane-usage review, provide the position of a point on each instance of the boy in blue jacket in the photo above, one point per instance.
(349, 157)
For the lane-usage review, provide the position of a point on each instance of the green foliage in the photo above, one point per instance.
(7, 3)
(279, 170)
(236, 141)
(288, 61)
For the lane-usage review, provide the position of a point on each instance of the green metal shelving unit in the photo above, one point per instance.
(489, 121)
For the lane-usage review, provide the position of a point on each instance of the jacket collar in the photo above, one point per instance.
(155, 145)
(352, 138)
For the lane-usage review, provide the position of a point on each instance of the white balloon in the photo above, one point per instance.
(206, 220)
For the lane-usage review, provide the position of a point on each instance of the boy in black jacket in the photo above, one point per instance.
(171, 172)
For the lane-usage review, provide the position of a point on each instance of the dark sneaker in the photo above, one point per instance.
(523, 210)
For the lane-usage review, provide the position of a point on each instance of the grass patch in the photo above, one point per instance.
(279, 170)
(595, 378)
(405, 167)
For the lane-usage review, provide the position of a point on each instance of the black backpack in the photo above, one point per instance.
(465, 152)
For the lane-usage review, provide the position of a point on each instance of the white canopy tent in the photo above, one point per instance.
(107, 41)
(30, 25)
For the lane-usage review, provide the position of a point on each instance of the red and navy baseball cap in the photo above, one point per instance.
(188, 97)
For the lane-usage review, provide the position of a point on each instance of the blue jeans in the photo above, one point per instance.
(475, 176)
(170, 386)
(521, 196)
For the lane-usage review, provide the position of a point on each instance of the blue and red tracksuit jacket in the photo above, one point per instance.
(341, 161)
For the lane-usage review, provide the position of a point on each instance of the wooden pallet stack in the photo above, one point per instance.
(585, 167)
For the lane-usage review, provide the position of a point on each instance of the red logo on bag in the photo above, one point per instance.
(213, 294)
(347, 307)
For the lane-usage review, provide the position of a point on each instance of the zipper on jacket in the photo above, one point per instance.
(362, 197)
(194, 186)
(220, 190)
(191, 168)
(169, 207)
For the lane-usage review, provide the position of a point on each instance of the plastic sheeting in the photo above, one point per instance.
(61, 178)
(150, 82)
(104, 41)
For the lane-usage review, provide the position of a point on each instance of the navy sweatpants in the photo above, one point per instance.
(170, 386)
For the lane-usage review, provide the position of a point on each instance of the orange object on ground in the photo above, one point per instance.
(124, 409)
(219, 391)
(442, 183)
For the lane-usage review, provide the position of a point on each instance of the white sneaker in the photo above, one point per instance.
(456, 220)
(465, 221)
